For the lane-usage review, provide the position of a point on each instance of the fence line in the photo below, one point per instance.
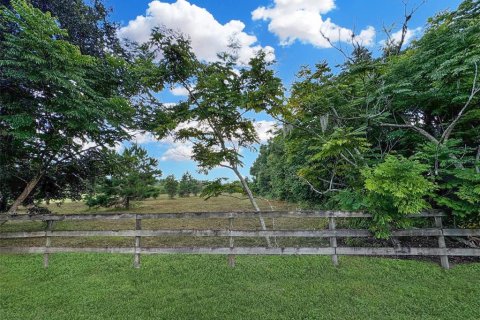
(203, 215)
(332, 233)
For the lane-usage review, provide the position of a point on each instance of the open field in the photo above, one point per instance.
(189, 204)
(88, 286)
(165, 205)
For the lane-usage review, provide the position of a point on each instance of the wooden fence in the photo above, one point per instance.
(332, 233)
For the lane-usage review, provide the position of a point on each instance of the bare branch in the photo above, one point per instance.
(225, 166)
(316, 190)
(411, 126)
(339, 49)
(348, 160)
(408, 16)
(475, 90)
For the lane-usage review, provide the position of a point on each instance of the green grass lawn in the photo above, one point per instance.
(89, 286)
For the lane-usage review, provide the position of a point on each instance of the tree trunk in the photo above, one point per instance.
(3, 203)
(252, 201)
(127, 203)
(25, 193)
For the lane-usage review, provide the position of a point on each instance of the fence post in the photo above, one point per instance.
(138, 226)
(441, 243)
(333, 240)
(48, 243)
(231, 257)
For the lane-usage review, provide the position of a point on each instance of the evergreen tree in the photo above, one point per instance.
(171, 186)
(133, 176)
(196, 187)
(185, 185)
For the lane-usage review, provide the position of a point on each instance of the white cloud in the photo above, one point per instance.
(265, 130)
(178, 151)
(183, 151)
(208, 36)
(141, 137)
(301, 20)
(179, 91)
(409, 36)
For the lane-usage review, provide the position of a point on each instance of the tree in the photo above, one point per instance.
(394, 189)
(171, 186)
(133, 176)
(87, 25)
(196, 187)
(219, 95)
(419, 104)
(56, 104)
(186, 185)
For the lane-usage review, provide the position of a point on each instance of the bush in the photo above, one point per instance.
(394, 189)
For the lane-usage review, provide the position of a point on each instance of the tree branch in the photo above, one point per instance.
(330, 189)
(413, 127)
(452, 125)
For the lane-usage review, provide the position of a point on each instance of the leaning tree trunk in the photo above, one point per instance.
(25, 193)
(253, 202)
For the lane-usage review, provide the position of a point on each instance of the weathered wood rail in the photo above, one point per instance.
(332, 233)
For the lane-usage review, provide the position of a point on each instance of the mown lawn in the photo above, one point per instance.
(90, 286)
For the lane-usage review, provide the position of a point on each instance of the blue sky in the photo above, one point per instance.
(290, 29)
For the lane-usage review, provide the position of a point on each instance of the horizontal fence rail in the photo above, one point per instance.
(202, 215)
(332, 233)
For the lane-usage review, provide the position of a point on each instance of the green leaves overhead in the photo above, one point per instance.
(220, 94)
(56, 103)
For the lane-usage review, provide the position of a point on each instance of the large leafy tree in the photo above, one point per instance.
(220, 94)
(56, 104)
(421, 103)
(434, 89)
(86, 23)
(133, 176)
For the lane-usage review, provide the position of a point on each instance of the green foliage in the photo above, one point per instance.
(274, 172)
(420, 105)
(340, 142)
(463, 197)
(393, 189)
(58, 107)
(188, 185)
(217, 188)
(171, 186)
(219, 95)
(86, 22)
(458, 179)
(133, 176)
